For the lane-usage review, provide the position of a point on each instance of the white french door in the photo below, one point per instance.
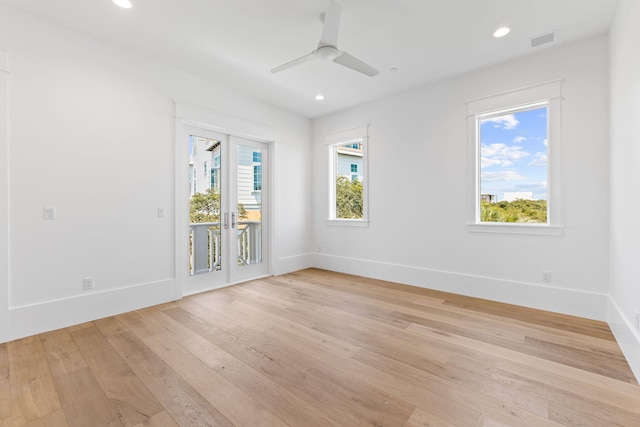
(228, 210)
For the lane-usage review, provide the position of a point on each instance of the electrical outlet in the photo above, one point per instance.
(546, 276)
(49, 212)
(87, 283)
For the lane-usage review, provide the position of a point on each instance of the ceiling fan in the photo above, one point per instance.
(328, 47)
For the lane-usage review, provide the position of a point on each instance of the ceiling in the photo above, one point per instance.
(237, 42)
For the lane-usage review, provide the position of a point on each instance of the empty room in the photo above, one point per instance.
(319, 212)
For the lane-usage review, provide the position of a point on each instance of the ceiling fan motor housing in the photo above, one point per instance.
(327, 52)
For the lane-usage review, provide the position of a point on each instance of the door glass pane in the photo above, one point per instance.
(205, 242)
(249, 210)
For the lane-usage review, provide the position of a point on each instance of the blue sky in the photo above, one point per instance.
(514, 153)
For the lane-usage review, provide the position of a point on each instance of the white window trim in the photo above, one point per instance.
(360, 134)
(551, 93)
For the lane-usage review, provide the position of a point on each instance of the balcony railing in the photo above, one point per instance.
(206, 246)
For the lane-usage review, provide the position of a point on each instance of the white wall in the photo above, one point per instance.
(625, 179)
(92, 133)
(418, 188)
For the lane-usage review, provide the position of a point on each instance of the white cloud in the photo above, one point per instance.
(486, 162)
(545, 142)
(519, 139)
(540, 159)
(506, 122)
(500, 155)
(500, 176)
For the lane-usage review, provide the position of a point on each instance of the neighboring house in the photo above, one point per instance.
(349, 161)
(204, 166)
(249, 176)
(518, 195)
(489, 198)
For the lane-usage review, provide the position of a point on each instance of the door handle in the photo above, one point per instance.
(225, 221)
(233, 220)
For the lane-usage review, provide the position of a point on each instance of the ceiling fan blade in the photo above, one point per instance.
(295, 62)
(354, 63)
(331, 26)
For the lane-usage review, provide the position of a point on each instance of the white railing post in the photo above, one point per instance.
(205, 247)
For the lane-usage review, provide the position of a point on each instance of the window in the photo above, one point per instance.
(215, 178)
(514, 141)
(195, 187)
(513, 165)
(257, 177)
(347, 177)
(257, 170)
(349, 197)
(215, 172)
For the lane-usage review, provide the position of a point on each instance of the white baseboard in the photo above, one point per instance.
(560, 300)
(33, 319)
(48, 316)
(289, 264)
(628, 339)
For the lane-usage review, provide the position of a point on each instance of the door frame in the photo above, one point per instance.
(188, 118)
(4, 197)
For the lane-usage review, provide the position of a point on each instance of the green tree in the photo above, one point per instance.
(205, 207)
(490, 212)
(521, 211)
(349, 198)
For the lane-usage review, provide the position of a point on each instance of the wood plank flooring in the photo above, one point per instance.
(317, 348)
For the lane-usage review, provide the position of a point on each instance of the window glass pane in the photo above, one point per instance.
(513, 166)
(349, 198)
(257, 177)
(215, 178)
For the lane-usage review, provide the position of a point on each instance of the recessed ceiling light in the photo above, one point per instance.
(501, 32)
(125, 4)
(319, 97)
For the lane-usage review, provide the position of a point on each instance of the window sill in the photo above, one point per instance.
(348, 222)
(510, 228)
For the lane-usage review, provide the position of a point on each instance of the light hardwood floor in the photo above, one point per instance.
(321, 348)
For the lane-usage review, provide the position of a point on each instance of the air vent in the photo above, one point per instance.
(543, 39)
